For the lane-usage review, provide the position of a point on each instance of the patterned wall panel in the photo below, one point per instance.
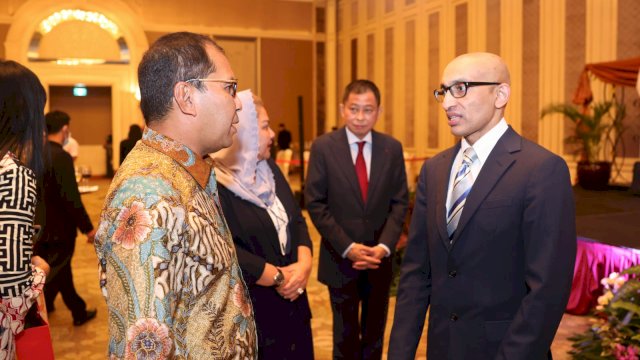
(462, 28)
(340, 69)
(320, 89)
(434, 79)
(371, 56)
(493, 26)
(371, 9)
(410, 83)
(354, 12)
(575, 44)
(388, 80)
(354, 59)
(388, 6)
(530, 68)
(629, 46)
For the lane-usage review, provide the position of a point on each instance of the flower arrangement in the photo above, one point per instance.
(615, 333)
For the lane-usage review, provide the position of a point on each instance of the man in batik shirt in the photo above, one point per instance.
(168, 267)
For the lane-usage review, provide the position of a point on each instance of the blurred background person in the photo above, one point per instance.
(135, 134)
(270, 234)
(22, 275)
(64, 213)
(284, 138)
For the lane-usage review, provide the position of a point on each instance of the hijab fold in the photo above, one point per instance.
(238, 168)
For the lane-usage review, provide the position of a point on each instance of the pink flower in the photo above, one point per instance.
(148, 340)
(134, 225)
(240, 300)
(622, 352)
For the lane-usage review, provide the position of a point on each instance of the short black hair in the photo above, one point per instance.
(22, 100)
(172, 58)
(56, 120)
(361, 86)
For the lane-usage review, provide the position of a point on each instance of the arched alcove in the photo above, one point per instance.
(79, 51)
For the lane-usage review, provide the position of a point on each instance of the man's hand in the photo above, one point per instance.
(91, 236)
(365, 257)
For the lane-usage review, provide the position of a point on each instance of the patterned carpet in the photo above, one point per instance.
(89, 341)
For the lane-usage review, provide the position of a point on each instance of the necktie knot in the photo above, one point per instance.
(469, 156)
(361, 145)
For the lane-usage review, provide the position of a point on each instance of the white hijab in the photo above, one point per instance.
(238, 168)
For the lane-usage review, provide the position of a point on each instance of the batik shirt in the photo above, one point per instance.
(20, 282)
(168, 267)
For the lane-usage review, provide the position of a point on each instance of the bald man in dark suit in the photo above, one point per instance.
(492, 240)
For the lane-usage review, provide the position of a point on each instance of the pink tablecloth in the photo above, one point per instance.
(594, 261)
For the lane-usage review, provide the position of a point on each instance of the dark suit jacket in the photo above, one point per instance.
(257, 242)
(336, 207)
(61, 211)
(499, 291)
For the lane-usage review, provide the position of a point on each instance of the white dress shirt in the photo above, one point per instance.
(483, 148)
(366, 153)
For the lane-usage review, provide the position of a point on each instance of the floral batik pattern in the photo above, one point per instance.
(168, 267)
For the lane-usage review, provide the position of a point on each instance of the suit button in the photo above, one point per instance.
(453, 273)
(453, 317)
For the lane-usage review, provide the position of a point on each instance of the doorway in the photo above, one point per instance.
(91, 121)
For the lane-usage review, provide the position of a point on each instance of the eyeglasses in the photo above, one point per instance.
(458, 89)
(232, 89)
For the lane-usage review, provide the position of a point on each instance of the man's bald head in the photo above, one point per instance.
(484, 66)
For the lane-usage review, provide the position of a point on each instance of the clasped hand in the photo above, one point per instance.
(296, 276)
(365, 257)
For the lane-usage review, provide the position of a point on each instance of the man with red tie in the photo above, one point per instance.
(356, 194)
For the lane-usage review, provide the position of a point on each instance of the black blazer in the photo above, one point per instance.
(334, 202)
(257, 242)
(499, 291)
(61, 212)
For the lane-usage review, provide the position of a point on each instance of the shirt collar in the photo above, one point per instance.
(199, 168)
(352, 138)
(486, 143)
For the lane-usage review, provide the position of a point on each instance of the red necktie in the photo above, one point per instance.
(361, 171)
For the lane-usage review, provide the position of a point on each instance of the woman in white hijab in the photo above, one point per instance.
(271, 236)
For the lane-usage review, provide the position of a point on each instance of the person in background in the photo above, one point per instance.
(168, 266)
(492, 241)
(22, 275)
(356, 195)
(108, 149)
(72, 147)
(64, 214)
(270, 234)
(126, 145)
(284, 137)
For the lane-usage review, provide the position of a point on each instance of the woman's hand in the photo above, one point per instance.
(296, 275)
(39, 262)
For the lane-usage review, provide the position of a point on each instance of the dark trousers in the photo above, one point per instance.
(60, 280)
(361, 338)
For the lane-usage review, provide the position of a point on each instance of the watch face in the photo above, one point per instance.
(278, 278)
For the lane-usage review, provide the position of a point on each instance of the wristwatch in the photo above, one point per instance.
(278, 278)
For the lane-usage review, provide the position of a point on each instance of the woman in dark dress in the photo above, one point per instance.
(271, 236)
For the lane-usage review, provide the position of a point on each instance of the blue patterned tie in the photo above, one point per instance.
(461, 187)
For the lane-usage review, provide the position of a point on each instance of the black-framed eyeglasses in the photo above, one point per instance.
(459, 89)
(232, 89)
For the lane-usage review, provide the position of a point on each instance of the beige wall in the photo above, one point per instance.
(544, 42)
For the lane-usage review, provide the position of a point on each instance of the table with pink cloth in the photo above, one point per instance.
(594, 261)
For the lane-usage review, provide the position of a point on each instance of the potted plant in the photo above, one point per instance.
(597, 133)
(615, 330)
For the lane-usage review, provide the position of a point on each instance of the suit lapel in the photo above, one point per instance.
(342, 157)
(443, 172)
(499, 160)
(378, 163)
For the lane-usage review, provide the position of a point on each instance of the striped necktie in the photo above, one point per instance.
(461, 188)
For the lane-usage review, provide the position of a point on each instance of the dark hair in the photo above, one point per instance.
(361, 86)
(22, 100)
(56, 120)
(135, 132)
(172, 58)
